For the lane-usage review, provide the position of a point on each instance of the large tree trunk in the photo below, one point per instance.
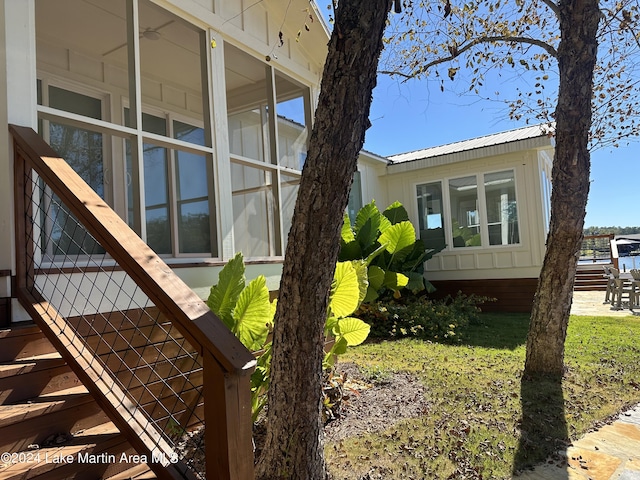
(294, 442)
(570, 179)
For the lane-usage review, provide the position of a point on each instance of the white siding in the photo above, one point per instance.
(523, 260)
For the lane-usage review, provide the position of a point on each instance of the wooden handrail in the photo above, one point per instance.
(228, 364)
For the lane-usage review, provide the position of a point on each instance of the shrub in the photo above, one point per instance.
(386, 242)
(420, 317)
(247, 311)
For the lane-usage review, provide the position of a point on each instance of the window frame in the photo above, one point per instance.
(482, 209)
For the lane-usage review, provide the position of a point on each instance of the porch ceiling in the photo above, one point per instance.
(97, 29)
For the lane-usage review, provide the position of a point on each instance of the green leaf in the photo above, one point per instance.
(365, 213)
(376, 277)
(340, 346)
(344, 290)
(416, 282)
(330, 325)
(347, 234)
(363, 278)
(368, 234)
(353, 330)
(223, 296)
(350, 251)
(395, 281)
(396, 213)
(372, 294)
(253, 314)
(369, 223)
(398, 237)
(372, 256)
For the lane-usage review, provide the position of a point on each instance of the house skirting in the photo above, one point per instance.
(511, 294)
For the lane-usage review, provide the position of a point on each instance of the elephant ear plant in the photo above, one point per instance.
(247, 311)
(386, 242)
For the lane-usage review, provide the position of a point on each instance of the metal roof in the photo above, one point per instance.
(518, 135)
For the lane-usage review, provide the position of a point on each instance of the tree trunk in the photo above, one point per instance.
(294, 441)
(570, 179)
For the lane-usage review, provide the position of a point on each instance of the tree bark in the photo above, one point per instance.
(570, 179)
(294, 440)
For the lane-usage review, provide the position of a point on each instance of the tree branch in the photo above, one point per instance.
(554, 8)
(480, 40)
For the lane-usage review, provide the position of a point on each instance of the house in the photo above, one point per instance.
(188, 119)
(487, 202)
(188, 122)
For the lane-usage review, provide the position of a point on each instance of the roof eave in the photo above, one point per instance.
(534, 143)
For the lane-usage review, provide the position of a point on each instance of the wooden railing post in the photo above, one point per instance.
(24, 248)
(227, 441)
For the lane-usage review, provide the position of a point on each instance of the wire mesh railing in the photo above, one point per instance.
(140, 340)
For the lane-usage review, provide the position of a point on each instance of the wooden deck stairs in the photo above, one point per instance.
(47, 415)
(154, 359)
(590, 277)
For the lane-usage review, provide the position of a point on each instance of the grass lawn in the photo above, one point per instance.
(482, 421)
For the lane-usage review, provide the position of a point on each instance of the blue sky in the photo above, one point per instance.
(416, 114)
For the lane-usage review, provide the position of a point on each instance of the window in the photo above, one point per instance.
(355, 197)
(264, 105)
(502, 214)
(178, 186)
(145, 143)
(84, 151)
(465, 219)
(430, 219)
(470, 198)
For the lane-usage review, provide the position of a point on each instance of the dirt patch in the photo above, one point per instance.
(369, 405)
(372, 405)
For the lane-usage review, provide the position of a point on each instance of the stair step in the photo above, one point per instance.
(139, 472)
(23, 341)
(10, 414)
(92, 453)
(36, 376)
(31, 364)
(61, 413)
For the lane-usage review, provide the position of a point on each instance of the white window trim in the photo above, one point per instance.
(482, 209)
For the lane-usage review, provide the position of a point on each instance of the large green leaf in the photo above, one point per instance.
(416, 282)
(368, 234)
(376, 277)
(353, 330)
(373, 255)
(346, 234)
(340, 346)
(345, 290)
(253, 314)
(372, 294)
(349, 247)
(398, 237)
(350, 251)
(367, 212)
(396, 213)
(416, 258)
(363, 278)
(395, 281)
(369, 223)
(223, 296)
(330, 325)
